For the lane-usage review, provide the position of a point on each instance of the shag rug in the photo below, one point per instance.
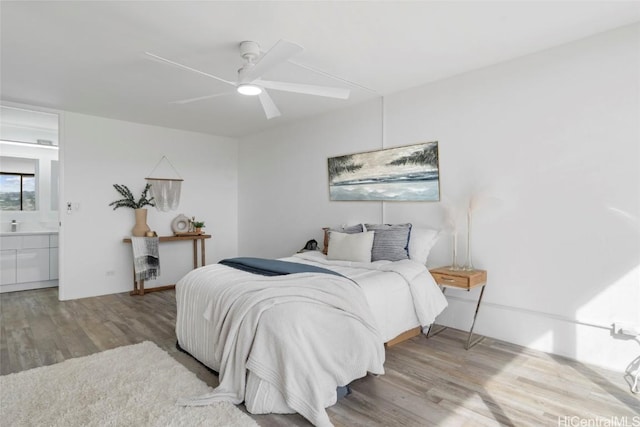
(136, 385)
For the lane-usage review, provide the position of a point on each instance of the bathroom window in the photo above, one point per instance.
(17, 191)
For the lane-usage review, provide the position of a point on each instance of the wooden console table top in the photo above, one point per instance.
(174, 238)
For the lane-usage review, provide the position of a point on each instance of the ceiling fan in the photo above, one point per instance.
(249, 80)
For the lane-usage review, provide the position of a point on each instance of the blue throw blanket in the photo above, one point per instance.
(273, 267)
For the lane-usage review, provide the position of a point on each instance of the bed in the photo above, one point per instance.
(284, 344)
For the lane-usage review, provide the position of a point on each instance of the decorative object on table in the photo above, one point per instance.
(166, 190)
(451, 225)
(469, 265)
(140, 228)
(409, 173)
(454, 259)
(197, 226)
(474, 202)
(180, 224)
(128, 201)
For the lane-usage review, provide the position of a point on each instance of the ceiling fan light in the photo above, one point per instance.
(249, 89)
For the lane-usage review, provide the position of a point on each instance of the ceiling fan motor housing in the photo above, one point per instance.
(249, 50)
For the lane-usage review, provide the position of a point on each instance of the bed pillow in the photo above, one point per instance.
(349, 230)
(391, 241)
(350, 247)
(421, 241)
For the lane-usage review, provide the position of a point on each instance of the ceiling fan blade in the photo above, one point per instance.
(184, 67)
(329, 92)
(280, 52)
(331, 76)
(199, 98)
(269, 107)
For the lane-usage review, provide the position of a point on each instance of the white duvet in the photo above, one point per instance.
(401, 294)
(285, 343)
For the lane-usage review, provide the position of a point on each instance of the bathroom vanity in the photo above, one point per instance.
(28, 260)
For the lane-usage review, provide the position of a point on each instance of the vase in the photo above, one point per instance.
(469, 265)
(454, 263)
(141, 227)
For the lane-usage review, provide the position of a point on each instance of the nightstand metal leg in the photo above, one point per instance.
(480, 338)
(432, 331)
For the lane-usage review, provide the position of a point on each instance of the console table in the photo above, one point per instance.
(138, 288)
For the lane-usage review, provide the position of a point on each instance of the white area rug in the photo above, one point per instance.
(136, 385)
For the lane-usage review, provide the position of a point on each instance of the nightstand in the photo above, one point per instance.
(460, 279)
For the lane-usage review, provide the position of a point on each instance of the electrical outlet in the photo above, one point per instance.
(626, 328)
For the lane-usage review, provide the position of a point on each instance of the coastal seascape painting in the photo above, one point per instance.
(409, 173)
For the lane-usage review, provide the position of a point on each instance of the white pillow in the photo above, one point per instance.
(421, 240)
(350, 247)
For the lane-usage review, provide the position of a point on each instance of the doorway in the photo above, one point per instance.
(29, 197)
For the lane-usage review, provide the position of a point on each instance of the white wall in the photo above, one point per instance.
(551, 137)
(284, 194)
(99, 152)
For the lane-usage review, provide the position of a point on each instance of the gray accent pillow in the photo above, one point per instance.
(391, 241)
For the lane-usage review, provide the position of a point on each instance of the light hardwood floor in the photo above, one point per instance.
(431, 382)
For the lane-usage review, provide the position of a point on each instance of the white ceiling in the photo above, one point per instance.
(88, 56)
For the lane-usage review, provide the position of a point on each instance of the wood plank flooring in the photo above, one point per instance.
(431, 382)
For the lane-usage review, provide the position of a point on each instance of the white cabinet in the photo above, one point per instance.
(8, 250)
(28, 261)
(53, 263)
(35, 241)
(33, 259)
(53, 257)
(7, 266)
(10, 242)
(33, 265)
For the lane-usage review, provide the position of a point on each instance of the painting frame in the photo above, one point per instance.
(408, 173)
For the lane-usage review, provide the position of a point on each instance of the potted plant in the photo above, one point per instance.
(129, 201)
(198, 226)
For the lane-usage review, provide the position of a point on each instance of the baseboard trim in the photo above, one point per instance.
(14, 287)
(532, 312)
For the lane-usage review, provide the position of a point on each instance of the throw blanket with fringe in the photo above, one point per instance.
(305, 334)
(146, 259)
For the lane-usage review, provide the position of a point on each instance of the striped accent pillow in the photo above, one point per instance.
(391, 241)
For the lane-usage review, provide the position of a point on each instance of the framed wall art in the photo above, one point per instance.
(408, 173)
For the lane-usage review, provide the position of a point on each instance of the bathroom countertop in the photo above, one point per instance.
(26, 233)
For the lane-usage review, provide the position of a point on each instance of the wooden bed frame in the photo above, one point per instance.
(406, 335)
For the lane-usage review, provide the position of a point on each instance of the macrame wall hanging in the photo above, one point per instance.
(165, 185)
